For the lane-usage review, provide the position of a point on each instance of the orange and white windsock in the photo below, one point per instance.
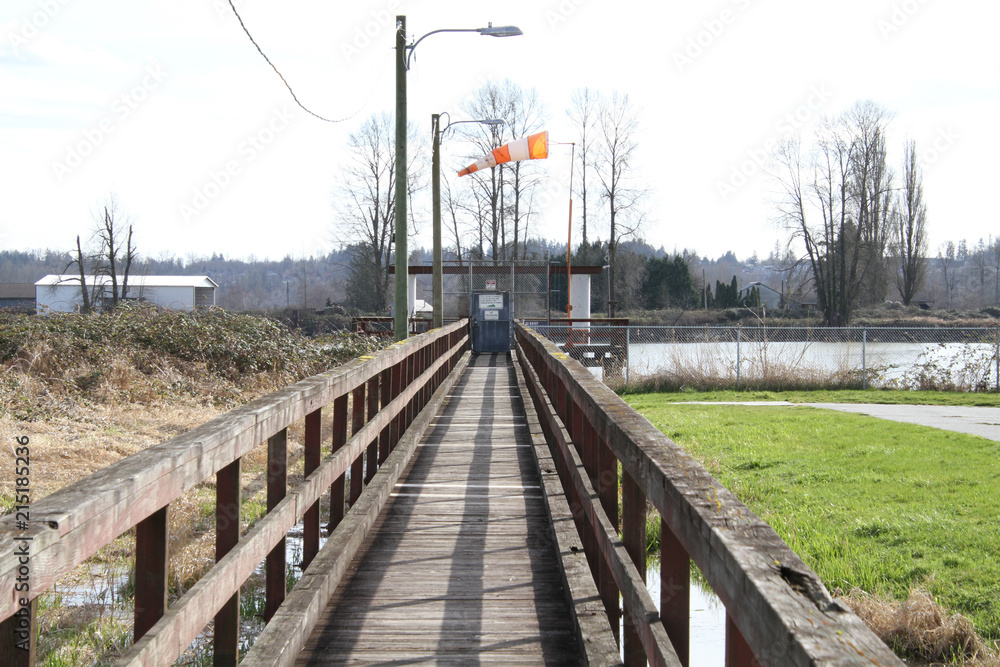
(532, 147)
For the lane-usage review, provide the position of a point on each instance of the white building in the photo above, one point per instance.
(61, 293)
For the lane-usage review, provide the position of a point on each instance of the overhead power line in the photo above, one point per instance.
(283, 80)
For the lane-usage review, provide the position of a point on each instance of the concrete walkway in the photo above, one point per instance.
(984, 422)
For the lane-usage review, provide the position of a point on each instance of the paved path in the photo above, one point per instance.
(984, 422)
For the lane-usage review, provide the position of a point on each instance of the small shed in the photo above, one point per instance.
(17, 295)
(61, 293)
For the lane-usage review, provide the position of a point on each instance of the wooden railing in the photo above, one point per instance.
(778, 611)
(388, 391)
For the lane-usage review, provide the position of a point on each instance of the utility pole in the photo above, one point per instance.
(437, 287)
(400, 320)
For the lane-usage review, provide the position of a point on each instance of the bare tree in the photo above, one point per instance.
(365, 207)
(617, 123)
(946, 257)
(582, 111)
(523, 114)
(117, 251)
(911, 228)
(836, 200)
(80, 261)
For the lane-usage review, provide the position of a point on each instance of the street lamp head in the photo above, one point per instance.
(491, 121)
(501, 31)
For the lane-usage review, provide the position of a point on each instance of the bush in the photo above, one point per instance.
(140, 353)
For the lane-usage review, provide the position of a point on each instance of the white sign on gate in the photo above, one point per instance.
(491, 284)
(491, 315)
(490, 301)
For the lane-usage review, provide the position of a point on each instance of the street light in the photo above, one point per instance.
(403, 55)
(436, 136)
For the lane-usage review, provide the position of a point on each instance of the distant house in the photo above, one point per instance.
(61, 293)
(17, 295)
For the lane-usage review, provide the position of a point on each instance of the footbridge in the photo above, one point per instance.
(484, 508)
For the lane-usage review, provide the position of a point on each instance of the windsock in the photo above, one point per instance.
(532, 147)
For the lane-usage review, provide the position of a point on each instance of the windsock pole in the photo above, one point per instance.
(569, 237)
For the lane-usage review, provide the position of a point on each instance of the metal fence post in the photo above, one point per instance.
(628, 342)
(739, 330)
(864, 358)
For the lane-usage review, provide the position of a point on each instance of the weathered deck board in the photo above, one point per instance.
(459, 568)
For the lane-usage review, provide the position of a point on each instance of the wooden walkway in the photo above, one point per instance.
(459, 568)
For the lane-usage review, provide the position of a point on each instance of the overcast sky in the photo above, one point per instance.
(169, 106)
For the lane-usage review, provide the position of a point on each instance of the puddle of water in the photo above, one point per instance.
(708, 621)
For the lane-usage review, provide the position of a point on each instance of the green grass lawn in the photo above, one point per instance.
(865, 502)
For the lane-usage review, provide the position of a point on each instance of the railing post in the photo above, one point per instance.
(357, 421)
(607, 466)
(11, 652)
(277, 487)
(398, 382)
(226, 640)
(151, 565)
(312, 455)
(339, 439)
(738, 653)
(634, 539)
(675, 592)
(385, 438)
(372, 464)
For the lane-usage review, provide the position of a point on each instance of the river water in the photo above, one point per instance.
(965, 366)
(708, 621)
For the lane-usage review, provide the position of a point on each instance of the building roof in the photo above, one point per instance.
(17, 291)
(133, 281)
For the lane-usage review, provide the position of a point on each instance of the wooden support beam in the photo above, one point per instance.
(357, 421)
(277, 487)
(607, 491)
(19, 635)
(385, 438)
(738, 652)
(151, 565)
(634, 538)
(675, 592)
(371, 465)
(339, 439)
(313, 444)
(226, 639)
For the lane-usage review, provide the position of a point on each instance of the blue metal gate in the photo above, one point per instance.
(491, 331)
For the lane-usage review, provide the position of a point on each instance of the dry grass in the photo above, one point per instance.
(919, 629)
(90, 390)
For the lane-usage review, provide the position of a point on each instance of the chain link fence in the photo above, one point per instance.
(776, 358)
(527, 282)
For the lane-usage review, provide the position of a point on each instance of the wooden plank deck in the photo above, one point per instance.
(456, 570)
